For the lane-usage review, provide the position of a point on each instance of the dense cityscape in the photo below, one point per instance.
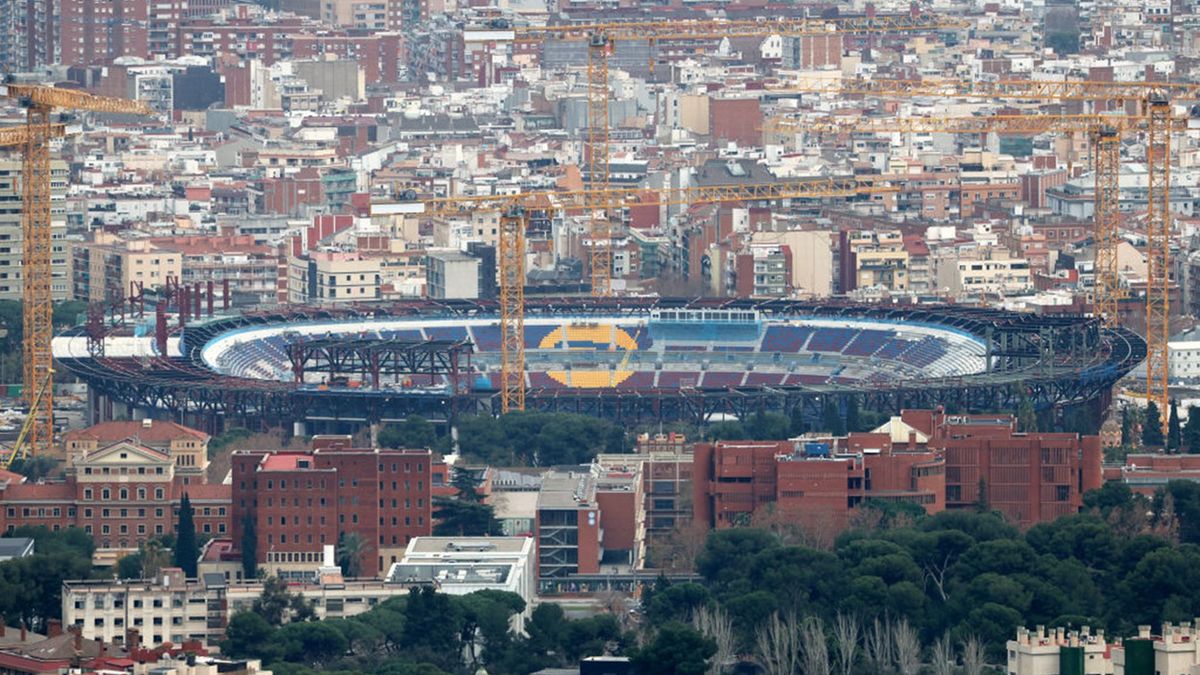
(599, 337)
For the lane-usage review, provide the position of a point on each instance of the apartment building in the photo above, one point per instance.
(976, 274)
(11, 214)
(764, 271)
(105, 268)
(1058, 651)
(300, 502)
(172, 608)
(875, 259)
(330, 278)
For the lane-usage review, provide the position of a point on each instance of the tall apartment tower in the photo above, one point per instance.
(11, 213)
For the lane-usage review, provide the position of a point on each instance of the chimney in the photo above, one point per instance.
(23, 633)
(133, 639)
(1144, 632)
(53, 628)
(78, 641)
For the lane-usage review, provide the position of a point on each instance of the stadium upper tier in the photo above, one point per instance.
(653, 351)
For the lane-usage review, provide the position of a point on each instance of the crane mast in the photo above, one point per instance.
(37, 244)
(516, 210)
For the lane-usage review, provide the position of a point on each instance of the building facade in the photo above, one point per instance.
(11, 213)
(300, 502)
(122, 494)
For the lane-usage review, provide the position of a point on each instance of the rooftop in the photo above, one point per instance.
(567, 490)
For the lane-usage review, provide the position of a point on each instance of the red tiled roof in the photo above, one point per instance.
(209, 492)
(39, 492)
(158, 432)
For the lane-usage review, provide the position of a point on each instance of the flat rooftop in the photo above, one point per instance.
(446, 573)
(465, 545)
(567, 490)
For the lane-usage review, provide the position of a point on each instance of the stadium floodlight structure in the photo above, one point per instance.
(516, 211)
(1153, 104)
(33, 139)
(600, 39)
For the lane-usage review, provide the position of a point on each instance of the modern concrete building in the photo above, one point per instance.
(451, 275)
(462, 565)
(1059, 652)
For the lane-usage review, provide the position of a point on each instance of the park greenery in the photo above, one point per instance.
(897, 593)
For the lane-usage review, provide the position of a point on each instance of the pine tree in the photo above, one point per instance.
(1026, 414)
(832, 419)
(981, 502)
(1174, 431)
(187, 552)
(249, 549)
(853, 423)
(1152, 435)
(1127, 427)
(1191, 431)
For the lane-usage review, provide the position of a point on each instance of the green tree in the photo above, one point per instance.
(277, 605)
(34, 468)
(350, 550)
(432, 621)
(1191, 430)
(413, 432)
(1152, 435)
(187, 551)
(1026, 414)
(465, 514)
(249, 548)
(1174, 431)
(982, 504)
(676, 649)
(853, 421)
(1127, 427)
(246, 635)
(831, 418)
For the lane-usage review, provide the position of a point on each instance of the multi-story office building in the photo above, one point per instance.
(330, 278)
(451, 275)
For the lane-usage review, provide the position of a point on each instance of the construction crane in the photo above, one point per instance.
(515, 215)
(20, 449)
(40, 103)
(601, 38)
(1153, 101)
(1104, 135)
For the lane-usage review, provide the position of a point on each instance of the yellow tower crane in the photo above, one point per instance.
(40, 103)
(1104, 134)
(516, 210)
(601, 38)
(1153, 103)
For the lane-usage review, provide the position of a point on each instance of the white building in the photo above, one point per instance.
(1042, 652)
(463, 565)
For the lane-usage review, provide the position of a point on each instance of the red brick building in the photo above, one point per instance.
(818, 481)
(302, 501)
(737, 120)
(122, 494)
(1030, 478)
(926, 457)
(1146, 473)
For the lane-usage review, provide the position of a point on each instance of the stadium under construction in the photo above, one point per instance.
(635, 360)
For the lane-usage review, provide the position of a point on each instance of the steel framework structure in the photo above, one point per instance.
(373, 359)
(1106, 156)
(516, 211)
(1158, 239)
(1153, 102)
(37, 297)
(1055, 361)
